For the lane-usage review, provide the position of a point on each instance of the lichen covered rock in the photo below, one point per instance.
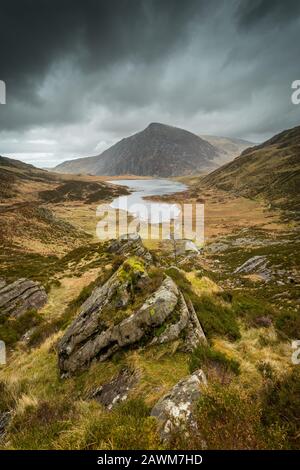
(175, 410)
(131, 308)
(18, 297)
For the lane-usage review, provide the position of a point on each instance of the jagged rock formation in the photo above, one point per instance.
(158, 150)
(136, 304)
(20, 296)
(188, 321)
(174, 411)
(128, 245)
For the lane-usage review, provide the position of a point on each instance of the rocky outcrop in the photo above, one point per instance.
(20, 296)
(255, 265)
(125, 311)
(89, 338)
(175, 410)
(187, 321)
(130, 244)
(117, 390)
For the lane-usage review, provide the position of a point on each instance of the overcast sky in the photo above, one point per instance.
(81, 75)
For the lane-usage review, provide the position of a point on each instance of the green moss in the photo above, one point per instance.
(131, 269)
(250, 308)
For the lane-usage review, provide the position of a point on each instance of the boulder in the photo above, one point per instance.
(18, 297)
(117, 390)
(88, 337)
(175, 410)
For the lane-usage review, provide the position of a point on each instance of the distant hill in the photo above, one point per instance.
(158, 150)
(270, 170)
(228, 147)
(19, 181)
(14, 174)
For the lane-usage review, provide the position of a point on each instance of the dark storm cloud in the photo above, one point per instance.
(82, 74)
(275, 13)
(36, 34)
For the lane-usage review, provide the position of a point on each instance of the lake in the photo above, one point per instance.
(148, 211)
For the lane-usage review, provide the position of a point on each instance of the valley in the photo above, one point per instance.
(149, 233)
(248, 317)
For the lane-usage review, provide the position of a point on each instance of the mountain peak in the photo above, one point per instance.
(158, 150)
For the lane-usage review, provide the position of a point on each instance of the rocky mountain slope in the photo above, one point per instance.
(158, 150)
(270, 170)
(228, 147)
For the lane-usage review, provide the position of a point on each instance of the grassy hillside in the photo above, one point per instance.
(270, 171)
(30, 202)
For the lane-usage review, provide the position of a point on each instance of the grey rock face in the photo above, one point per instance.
(130, 244)
(20, 296)
(255, 265)
(175, 411)
(99, 330)
(252, 264)
(117, 390)
(188, 321)
(86, 339)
